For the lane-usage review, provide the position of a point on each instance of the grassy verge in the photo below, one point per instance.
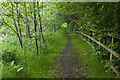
(94, 66)
(26, 64)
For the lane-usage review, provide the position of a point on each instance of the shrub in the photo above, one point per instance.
(8, 56)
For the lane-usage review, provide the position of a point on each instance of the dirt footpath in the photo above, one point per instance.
(70, 63)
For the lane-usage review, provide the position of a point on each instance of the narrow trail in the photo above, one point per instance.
(71, 60)
(67, 60)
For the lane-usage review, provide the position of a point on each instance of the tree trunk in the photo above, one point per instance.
(41, 25)
(19, 35)
(54, 28)
(27, 24)
(35, 27)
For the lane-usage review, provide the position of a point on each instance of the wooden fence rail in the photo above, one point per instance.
(108, 49)
(99, 43)
(117, 37)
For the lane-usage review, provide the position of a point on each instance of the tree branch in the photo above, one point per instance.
(9, 25)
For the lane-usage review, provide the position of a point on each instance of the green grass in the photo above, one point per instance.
(28, 64)
(94, 66)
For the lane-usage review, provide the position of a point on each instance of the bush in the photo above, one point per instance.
(8, 56)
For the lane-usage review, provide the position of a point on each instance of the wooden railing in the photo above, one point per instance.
(102, 45)
(117, 37)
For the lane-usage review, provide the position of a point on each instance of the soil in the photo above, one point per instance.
(71, 65)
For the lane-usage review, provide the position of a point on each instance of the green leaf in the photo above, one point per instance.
(15, 67)
(20, 69)
(12, 63)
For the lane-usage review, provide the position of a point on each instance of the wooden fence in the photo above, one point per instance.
(102, 45)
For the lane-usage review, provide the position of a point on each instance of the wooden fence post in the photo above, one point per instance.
(88, 34)
(111, 53)
(92, 40)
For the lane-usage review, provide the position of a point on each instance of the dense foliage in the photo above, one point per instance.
(99, 20)
(32, 32)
